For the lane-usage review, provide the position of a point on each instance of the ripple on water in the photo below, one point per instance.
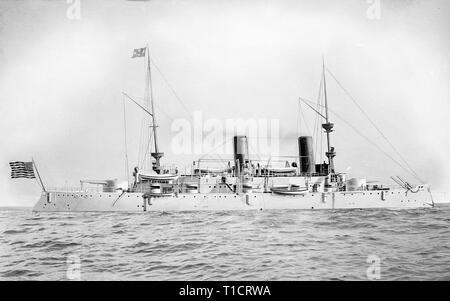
(22, 230)
(247, 245)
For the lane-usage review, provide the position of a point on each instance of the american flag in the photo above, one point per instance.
(22, 170)
(139, 52)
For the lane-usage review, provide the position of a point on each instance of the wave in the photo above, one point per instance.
(228, 245)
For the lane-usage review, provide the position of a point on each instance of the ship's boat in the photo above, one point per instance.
(213, 171)
(281, 170)
(289, 190)
(157, 177)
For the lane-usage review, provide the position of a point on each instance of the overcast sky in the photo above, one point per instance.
(61, 80)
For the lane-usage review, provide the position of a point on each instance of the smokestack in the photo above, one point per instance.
(306, 154)
(240, 144)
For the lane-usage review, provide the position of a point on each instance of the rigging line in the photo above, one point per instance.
(220, 145)
(172, 89)
(319, 134)
(317, 121)
(373, 124)
(141, 139)
(127, 167)
(145, 110)
(142, 131)
(254, 153)
(319, 95)
(156, 105)
(147, 148)
(304, 120)
(221, 159)
(208, 153)
(311, 107)
(144, 143)
(373, 143)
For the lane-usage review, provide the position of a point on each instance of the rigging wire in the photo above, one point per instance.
(157, 106)
(304, 119)
(208, 153)
(172, 89)
(147, 148)
(141, 142)
(375, 126)
(317, 124)
(370, 141)
(126, 144)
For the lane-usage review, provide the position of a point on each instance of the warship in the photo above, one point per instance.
(243, 183)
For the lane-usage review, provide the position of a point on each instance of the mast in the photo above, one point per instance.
(327, 126)
(149, 96)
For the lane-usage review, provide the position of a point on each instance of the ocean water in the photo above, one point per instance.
(252, 245)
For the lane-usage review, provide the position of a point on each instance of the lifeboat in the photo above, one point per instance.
(281, 170)
(291, 190)
(158, 177)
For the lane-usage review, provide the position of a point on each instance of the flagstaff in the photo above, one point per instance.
(39, 176)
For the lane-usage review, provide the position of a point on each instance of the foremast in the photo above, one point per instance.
(156, 154)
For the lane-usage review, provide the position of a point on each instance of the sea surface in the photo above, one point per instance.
(252, 245)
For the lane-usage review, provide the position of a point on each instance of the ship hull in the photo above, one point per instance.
(135, 202)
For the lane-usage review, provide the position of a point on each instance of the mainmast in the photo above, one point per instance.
(149, 98)
(327, 126)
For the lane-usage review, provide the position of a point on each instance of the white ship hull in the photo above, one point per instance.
(134, 202)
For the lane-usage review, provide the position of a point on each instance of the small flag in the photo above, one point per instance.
(22, 170)
(139, 52)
